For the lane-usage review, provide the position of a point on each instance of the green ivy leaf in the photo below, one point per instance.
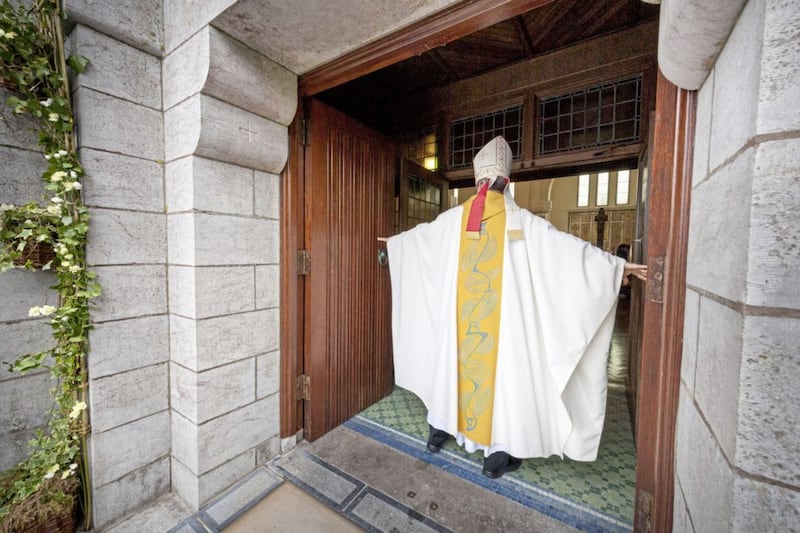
(29, 362)
(77, 63)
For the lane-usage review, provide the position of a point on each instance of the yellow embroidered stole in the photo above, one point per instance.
(480, 279)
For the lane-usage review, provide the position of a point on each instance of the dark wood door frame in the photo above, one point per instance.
(662, 332)
(292, 223)
(670, 174)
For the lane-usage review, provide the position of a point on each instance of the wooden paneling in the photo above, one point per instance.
(662, 334)
(349, 195)
(619, 228)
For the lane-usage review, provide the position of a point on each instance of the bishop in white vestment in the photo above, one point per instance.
(502, 324)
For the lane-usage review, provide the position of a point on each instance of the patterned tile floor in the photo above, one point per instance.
(606, 485)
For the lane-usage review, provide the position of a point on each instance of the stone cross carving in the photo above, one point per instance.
(600, 218)
(250, 132)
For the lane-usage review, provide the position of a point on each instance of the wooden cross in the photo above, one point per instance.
(250, 132)
(601, 219)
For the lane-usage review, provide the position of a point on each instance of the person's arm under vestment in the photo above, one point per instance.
(631, 269)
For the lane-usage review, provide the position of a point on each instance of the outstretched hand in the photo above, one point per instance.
(636, 270)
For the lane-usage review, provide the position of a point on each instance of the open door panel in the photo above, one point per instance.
(349, 190)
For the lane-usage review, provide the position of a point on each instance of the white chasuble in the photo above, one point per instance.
(558, 301)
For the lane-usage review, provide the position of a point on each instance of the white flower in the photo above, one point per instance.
(65, 264)
(41, 311)
(56, 200)
(52, 117)
(76, 409)
(51, 472)
(6, 207)
(73, 174)
(54, 210)
(74, 268)
(46, 103)
(58, 176)
(73, 466)
(62, 153)
(72, 186)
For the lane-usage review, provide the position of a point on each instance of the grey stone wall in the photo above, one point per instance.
(738, 434)
(227, 111)
(183, 132)
(120, 136)
(26, 398)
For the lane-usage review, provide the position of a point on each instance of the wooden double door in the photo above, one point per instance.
(337, 199)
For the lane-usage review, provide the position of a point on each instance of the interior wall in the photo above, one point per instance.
(565, 198)
(554, 199)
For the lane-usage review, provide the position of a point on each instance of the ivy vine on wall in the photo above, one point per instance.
(33, 69)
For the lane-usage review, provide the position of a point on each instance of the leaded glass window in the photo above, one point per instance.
(596, 116)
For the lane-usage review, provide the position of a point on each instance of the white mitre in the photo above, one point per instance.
(493, 160)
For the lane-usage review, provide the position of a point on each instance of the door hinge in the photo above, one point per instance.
(305, 131)
(644, 512)
(303, 262)
(655, 282)
(303, 387)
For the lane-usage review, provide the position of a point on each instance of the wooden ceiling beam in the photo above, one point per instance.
(444, 66)
(558, 12)
(524, 36)
(597, 16)
(432, 32)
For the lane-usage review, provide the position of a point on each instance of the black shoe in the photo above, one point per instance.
(499, 463)
(436, 439)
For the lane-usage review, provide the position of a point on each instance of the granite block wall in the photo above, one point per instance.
(27, 397)
(737, 452)
(119, 120)
(226, 117)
